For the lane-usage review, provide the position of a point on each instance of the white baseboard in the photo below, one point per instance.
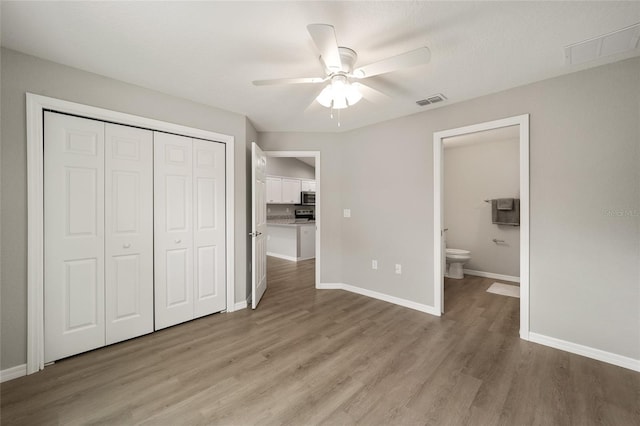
(13, 373)
(305, 258)
(240, 305)
(589, 352)
(380, 296)
(492, 275)
(282, 256)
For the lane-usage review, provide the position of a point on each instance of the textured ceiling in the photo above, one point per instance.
(210, 52)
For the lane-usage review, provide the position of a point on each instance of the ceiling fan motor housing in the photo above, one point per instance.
(348, 57)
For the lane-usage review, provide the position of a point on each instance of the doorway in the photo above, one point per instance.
(522, 123)
(291, 202)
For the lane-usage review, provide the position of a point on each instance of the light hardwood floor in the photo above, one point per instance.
(331, 357)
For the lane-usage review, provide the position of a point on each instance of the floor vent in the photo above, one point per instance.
(433, 99)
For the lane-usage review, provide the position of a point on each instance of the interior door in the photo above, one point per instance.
(128, 232)
(173, 230)
(258, 224)
(210, 291)
(73, 235)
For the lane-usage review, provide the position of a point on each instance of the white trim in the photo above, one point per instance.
(438, 281)
(300, 259)
(380, 296)
(13, 373)
(36, 105)
(316, 155)
(282, 256)
(587, 351)
(240, 305)
(491, 275)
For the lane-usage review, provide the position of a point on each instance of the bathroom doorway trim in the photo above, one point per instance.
(438, 181)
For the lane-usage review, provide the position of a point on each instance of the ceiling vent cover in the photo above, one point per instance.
(433, 99)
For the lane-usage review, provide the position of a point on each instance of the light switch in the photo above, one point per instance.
(398, 268)
(347, 212)
(374, 264)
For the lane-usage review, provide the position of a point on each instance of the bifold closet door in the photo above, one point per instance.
(173, 225)
(129, 232)
(73, 235)
(209, 227)
(190, 223)
(98, 210)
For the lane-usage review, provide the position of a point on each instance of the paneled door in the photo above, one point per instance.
(209, 227)
(173, 181)
(73, 235)
(258, 224)
(129, 232)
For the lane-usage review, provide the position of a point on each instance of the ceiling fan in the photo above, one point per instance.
(344, 88)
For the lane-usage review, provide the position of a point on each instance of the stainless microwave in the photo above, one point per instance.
(308, 198)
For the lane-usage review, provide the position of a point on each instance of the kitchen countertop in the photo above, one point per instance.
(311, 222)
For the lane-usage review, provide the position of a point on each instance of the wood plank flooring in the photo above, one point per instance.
(307, 357)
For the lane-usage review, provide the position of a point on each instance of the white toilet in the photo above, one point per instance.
(456, 258)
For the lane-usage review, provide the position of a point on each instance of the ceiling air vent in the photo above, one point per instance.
(433, 99)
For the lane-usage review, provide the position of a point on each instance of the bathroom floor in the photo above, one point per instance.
(467, 300)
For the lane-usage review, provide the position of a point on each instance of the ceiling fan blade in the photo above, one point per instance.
(305, 80)
(371, 94)
(406, 60)
(324, 36)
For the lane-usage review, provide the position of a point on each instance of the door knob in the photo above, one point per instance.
(178, 241)
(126, 245)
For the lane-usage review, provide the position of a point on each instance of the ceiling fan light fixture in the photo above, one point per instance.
(339, 94)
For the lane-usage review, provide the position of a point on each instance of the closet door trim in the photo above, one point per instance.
(36, 106)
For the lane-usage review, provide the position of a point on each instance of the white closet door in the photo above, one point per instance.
(209, 227)
(74, 235)
(128, 232)
(173, 229)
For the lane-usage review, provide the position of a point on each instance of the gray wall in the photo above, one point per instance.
(473, 173)
(289, 167)
(585, 199)
(22, 73)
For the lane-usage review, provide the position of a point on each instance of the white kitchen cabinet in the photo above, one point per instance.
(308, 185)
(274, 190)
(306, 241)
(291, 241)
(291, 191)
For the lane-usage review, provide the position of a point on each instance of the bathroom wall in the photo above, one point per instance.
(473, 173)
(289, 167)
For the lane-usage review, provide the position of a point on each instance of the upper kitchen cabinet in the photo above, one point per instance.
(308, 185)
(274, 190)
(291, 191)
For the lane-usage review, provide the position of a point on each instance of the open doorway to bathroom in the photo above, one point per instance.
(481, 220)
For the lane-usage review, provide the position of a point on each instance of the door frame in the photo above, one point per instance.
(36, 105)
(438, 190)
(316, 155)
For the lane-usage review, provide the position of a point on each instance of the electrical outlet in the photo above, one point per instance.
(374, 264)
(398, 268)
(347, 212)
